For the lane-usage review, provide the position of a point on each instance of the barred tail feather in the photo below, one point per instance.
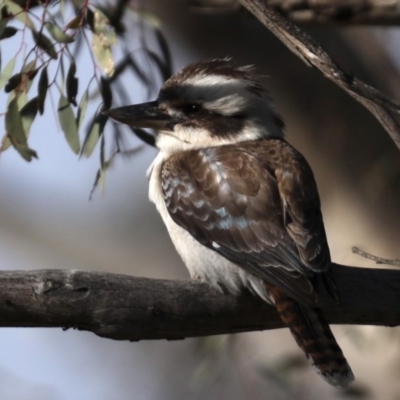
(314, 336)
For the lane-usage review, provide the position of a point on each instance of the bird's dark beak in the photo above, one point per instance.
(145, 115)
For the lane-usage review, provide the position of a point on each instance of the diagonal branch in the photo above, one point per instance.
(340, 11)
(305, 47)
(129, 308)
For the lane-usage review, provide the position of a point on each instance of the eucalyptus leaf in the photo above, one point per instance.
(91, 139)
(22, 80)
(75, 22)
(5, 143)
(103, 55)
(44, 43)
(57, 33)
(43, 86)
(8, 32)
(72, 83)
(7, 72)
(29, 72)
(13, 121)
(95, 183)
(103, 38)
(3, 24)
(106, 93)
(90, 18)
(82, 108)
(20, 14)
(28, 113)
(68, 123)
(22, 99)
(13, 82)
(23, 149)
(29, 67)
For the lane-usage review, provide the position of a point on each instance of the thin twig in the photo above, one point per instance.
(305, 47)
(378, 260)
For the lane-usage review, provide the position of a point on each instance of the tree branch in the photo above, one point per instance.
(129, 308)
(378, 260)
(305, 47)
(371, 12)
(365, 12)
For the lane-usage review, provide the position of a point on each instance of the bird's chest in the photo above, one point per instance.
(202, 263)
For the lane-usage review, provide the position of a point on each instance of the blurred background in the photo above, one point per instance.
(47, 221)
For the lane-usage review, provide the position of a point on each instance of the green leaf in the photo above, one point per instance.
(5, 143)
(75, 22)
(6, 73)
(3, 24)
(8, 32)
(82, 108)
(22, 99)
(30, 71)
(29, 67)
(68, 123)
(14, 127)
(103, 55)
(28, 113)
(22, 80)
(13, 82)
(100, 175)
(45, 43)
(23, 149)
(43, 85)
(58, 34)
(72, 84)
(91, 139)
(90, 19)
(106, 93)
(20, 14)
(103, 38)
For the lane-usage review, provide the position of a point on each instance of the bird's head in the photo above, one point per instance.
(207, 103)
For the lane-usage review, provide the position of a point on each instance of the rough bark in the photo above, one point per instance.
(129, 308)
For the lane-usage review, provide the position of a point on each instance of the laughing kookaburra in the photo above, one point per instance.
(241, 205)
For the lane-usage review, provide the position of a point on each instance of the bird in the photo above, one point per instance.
(240, 204)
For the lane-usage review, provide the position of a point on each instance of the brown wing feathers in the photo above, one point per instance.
(259, 203)
(230, 195)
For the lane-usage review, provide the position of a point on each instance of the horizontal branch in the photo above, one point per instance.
(129, 308)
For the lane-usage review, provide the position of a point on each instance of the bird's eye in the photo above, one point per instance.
(191, 109)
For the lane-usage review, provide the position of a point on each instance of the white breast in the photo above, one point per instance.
(202, 263)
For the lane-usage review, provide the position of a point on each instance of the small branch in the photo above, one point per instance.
(344, 12)
(371, 12)
(128, 308)
(378, 260)
(305, 47)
